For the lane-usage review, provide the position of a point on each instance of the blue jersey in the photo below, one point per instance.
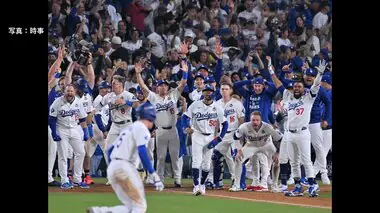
(329, 114)
(261, 102)
(52, 96)
(316, 115)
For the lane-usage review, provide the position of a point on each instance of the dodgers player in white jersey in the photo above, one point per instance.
(196, 94)
(166, 132)
(299, 104)
(101, 118)
(120, 103)
(234, 112)
(65, 113)
(122, 172)
(205, 117)
(258, 136)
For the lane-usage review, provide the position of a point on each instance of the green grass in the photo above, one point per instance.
(170, 203)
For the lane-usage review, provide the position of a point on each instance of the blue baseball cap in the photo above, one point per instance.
(289, 84)
(208, 88)
(159, 82)
(259, 80)
(327, 79)
(288, 71)
(310, 71)
(209, 79)
(199, 75)
(203, 67)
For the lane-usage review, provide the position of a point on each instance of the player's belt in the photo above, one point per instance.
(122, 122)
(230, 131)
(207, 134)
(169, 127)
(297, 130)
(327, 128)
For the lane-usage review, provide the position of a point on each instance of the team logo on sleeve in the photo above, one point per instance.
(134, 98)
(231, 105)
(262, 131)
(146, 137)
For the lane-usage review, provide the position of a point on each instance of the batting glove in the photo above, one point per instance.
(214, 142)
(157, 182)
(56, 137)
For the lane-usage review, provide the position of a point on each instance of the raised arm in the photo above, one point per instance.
(140, 80)
(183, 81)
(69, 73)
(56, 65)
(276, 81)
(321, 69)
(90, 74)
(219, 63)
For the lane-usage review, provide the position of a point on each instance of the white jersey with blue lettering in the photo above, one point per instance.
(195, 95)
(122, 113)
(258, 138)
(299, 109)
(233, 110)
(67, 114)
(125, 147)
(103, 112)
(204, 117)
(87, 102)
(166, 108)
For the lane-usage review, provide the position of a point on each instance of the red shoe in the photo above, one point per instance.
(253, 188)
(88, 180)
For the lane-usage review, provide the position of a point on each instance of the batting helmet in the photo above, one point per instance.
(146, 111)
(82, 85)
(104, 84)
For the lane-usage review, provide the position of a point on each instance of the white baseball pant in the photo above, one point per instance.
(75, 139)
(168, 138)
(201, 158)
(128, 187)
(90, 145)
(151, 149)
(249, 150)
(320, 163)
(327, 144)
(224, 147)
(52, 153)
(283, 156)
(260, 165)
(114, 133)
(299, 152)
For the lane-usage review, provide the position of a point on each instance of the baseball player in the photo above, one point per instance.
(234, 112)
(196, 94)
(65, 113)
(54, 93)
(122, 173)
(317, 120)
(282, 117)
(299, 106)
(166, 132)
(120, 105)
(258, 136)
(327, 127)
(205, 117)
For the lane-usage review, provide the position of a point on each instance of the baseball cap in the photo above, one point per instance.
(190, 33)
(203, 67)
(159, 82)
(310, 71)
(199, 75)
(327, 79)
(116, 40)
(209, 79)
(106, 40)
(258, 80)
(138, 90)
(289, 84)
(208, 88)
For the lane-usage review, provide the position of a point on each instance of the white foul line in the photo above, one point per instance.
(256, 200)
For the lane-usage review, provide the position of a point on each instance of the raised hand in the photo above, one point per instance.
(322, 66)
(138, 67)
(184, 66)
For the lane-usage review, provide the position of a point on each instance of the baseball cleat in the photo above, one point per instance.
(304, 182)
(203, 189)
(297, 191)
(325, 179)
(209, 185)
(177, 184)
(66, 185)
(54, 183)
(280, 189)
(234, 188)
(109, 183)
(88, 180)
(218, 187)
(82, 185)
(196, 190)
(262, 189)
(313, 190)
(253, 188)
(149, 180)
